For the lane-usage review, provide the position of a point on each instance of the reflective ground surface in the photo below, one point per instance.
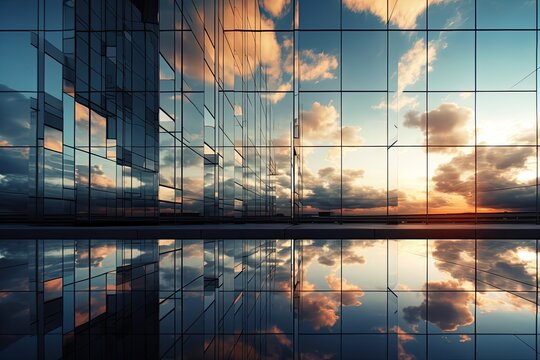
(249, 299)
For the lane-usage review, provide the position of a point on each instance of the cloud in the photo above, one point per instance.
(498, 178)
(508, 265)
(15, 126)
(464, 338)
(403, 337)
(316, 66)
(276, 8)
(449, 124)
(404, 16)
(99, 178)
(448, 306)
(411, 66)
(322, 190)
(276, 97)
(414, 62)
(270, 51)
(321, 123)
(322, 309)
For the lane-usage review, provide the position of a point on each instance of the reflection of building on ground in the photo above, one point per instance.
(67, 303)
(231, 298)
(135, 298)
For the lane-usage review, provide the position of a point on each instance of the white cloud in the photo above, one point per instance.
(414, 62)
(275, 8)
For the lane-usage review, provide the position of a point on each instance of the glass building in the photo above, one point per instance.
(79, 106)
(269, 173)
(415, 111)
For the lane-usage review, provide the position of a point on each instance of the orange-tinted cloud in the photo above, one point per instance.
(404, 14)
(100, 178)
(276, 8)
(403, 338)
(413, 64)
(321, 124)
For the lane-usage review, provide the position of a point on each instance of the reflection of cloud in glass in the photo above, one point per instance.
(448, 306)
(448, 125)
(498, 176)
(275, 8)
(402, 15)
(503, 265)
(317, 66)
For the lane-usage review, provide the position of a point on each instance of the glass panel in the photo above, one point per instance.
(17, 119)
(501, 14)
(320, 120)
(451, 15)
(506, 118)
(319, 14)
(53, 139)
(364, 181)
(364, 60)
(322, 179)
(505, 59)
(319, 60)
(18, 56)
(364, 119)
(453, 68)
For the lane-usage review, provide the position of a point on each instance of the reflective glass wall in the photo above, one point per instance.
(417, 110)
(79, 107)
(214, 117)
(365, 110)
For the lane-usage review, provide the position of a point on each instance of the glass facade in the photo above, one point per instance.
(79, 106)
(285, 110)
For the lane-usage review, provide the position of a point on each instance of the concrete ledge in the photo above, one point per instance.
(274, 231)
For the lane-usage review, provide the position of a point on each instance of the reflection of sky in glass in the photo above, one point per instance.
(465, 298)
(408, 100)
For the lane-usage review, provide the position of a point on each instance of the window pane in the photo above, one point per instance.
(53, 77)
(319, 14)
(453, 68)
(364, 119)
(458, 14)
(53, 139)
(319, 60)
(506, 179)
(506, 118)
(364, 181)
(320, 119)
(504, 14)
(18, 61)
(17, 125)
(321, 182)
(364, 60)
(360, 15)
(504, 59)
